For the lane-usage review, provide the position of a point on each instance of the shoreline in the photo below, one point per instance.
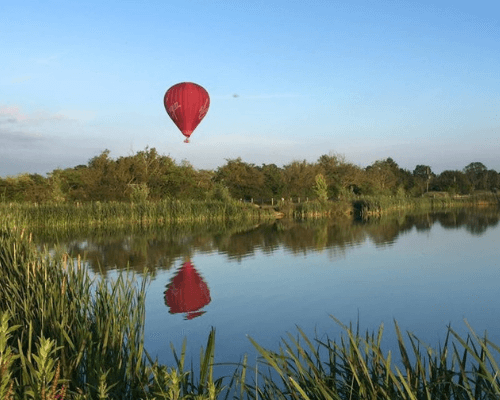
(172, 212)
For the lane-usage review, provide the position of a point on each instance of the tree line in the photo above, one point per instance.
(148, 175)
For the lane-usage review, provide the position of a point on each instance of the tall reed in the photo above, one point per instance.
(64, 334)
(122, 213)
(315, 208)
(93, 328)
(356, 367)
(376, 205)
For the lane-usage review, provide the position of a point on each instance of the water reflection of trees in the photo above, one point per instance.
(474, 221)
(160, 249)
(384, 231)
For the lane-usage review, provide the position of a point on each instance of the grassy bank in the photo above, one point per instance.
(363, 206)
(315, 209)
(124, 213)
(64, 335)
(168, 212)
(368, 205)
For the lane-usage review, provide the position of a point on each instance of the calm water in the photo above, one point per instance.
(425, 271)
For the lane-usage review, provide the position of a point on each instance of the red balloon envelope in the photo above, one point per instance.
(187, 104)
(187, 292)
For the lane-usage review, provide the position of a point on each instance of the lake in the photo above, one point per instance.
(425, 271)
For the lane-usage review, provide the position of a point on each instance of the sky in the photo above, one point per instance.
(418, 81)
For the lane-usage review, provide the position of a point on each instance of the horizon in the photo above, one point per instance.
(341, 157)
(411, 80)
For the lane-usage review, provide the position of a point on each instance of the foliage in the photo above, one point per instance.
(454, 182)
(220, 192)
(320, 188)
(140, 193)
(273, 180)
(384, 176)
(148, 176)
(299, 179)
(243, 180)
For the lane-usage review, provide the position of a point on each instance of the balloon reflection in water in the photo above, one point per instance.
(187, 292)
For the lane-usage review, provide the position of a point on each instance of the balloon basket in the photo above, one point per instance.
(186, 140)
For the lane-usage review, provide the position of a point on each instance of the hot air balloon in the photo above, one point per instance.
(186, 103)
(187, 292)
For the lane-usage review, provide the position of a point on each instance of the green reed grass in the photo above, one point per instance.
(356, 367)
(65, 335)
(92, 327)
(123, 213)
(315, 208)
(363, 206)
(376, 205)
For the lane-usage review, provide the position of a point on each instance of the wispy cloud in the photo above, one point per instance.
(15, 115)
(19, 128)
(13, 140)
(28, 129)
(19, 136)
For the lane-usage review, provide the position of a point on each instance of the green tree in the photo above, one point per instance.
(329, 165)
(452, 182)
(189, 180)
(220, 192)
(39, 189)
(205, 182)
(299, 179)
(23, 187)
(56, 185)
(99, 179)
(383, 177)
(477, 173)
(423, 172)
(321, 188)
(423, 175)
(72, 183)
(273, 181)
(493, 180)
(243, 180)
(342, 177)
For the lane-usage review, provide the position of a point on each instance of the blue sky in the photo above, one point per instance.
(413, 80)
